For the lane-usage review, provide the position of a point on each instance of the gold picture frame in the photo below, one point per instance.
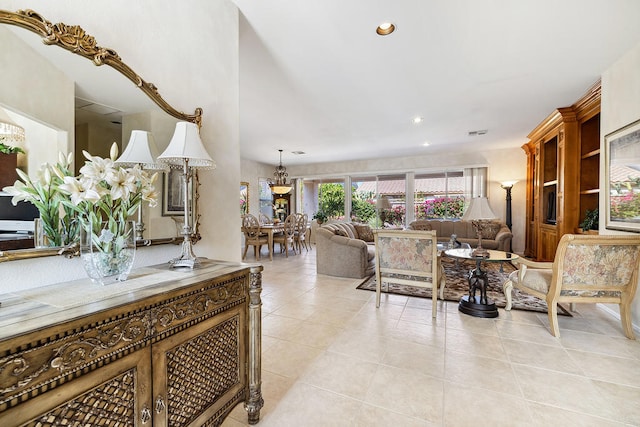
(622, 178)
(244, 198)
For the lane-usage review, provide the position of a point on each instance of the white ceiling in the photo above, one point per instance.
(315, 77)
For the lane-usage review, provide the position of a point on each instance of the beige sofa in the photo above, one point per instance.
(345, 250)
(499, 238)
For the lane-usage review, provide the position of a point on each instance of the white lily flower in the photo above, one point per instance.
(113, 152)
(122, 184)
(47, 176)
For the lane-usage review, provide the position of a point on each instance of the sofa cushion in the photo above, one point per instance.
(491, 229)
(364, 232)
(420, 225)
(340, 232)
(347, 228)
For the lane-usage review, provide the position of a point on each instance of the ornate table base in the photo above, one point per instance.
(478, 306)
(476, 309)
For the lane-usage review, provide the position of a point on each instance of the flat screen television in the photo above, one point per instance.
(551, 208)
(16, 219)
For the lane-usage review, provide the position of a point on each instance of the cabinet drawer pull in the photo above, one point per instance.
(145, 416)
(160, 405)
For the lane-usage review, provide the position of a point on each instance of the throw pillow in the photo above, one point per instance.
(491, 229)
(364, 232)
(339, 232)
(421, 226)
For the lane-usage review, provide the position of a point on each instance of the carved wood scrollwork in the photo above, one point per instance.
(76, 40)
(165, 316)
(41, 365)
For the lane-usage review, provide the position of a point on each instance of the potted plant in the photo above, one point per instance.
(8, 164)
(320, 217)
(590, 221)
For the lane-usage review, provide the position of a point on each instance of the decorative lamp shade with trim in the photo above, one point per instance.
(478, 209)
(141, 150)
(187, 145)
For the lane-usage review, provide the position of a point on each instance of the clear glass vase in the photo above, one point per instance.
(108, 250)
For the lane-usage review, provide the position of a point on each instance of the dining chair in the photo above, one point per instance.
(286, 239)
(252, 235)
(264, 219)
(301, 232)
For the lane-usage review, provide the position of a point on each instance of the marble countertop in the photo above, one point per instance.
(31, 309)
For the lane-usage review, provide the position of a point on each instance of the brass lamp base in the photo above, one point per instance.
(187, 258)
(480, 252)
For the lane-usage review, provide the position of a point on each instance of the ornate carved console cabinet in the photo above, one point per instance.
(165, 348)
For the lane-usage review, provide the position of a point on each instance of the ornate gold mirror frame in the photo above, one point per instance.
(74, 39)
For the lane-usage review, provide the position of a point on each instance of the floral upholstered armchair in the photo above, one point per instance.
(586, 269)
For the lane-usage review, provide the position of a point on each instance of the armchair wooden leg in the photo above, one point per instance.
(552, 310)
(442, 280)
(507, 288)
(246, 248)
(625, 319)
(378, 289)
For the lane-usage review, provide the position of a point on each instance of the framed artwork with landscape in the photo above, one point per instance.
(244, 198)
(622, 178)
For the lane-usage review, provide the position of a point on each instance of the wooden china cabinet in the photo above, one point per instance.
(282, 203)
(563, 173)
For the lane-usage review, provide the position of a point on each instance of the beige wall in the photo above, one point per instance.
(620, 106)
(251, 172)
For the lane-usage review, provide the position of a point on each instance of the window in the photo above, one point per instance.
(439, 195)
(381, 200)
(266, 200)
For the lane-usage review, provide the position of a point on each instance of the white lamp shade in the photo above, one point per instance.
(186, 144)
(478, 209)
(141, 150)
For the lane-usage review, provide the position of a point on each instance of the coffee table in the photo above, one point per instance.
(479, 306)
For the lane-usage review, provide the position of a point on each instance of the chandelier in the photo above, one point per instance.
(10, 132)
(280, 185)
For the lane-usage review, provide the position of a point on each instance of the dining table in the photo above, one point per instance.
(270, 230)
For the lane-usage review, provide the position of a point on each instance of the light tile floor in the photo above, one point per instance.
(330, 359)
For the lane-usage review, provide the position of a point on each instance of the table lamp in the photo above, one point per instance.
(142, 151)
(477, 211)
(185, 150)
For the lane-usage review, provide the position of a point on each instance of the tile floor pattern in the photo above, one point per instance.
(331, 359)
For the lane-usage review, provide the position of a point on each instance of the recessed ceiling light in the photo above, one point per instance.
(385, 29)
(298, 152)
(478, 132)
(417, 120)
(426, 144)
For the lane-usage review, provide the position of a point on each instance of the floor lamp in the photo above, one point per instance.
(186, 151)
(141, 150)
(508, 185)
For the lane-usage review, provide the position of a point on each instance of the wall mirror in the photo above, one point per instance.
(49, 80)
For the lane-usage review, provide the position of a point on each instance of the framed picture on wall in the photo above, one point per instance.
(244, 198)
(622, 178)
(173, 193)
